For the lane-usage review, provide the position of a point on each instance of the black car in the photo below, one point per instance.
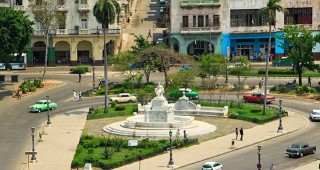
(300, 149)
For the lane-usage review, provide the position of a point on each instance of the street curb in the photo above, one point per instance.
(306, 124)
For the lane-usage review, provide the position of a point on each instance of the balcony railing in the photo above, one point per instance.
(63, 8)
(200, 29)
(39, 32)
(83, 7)
(190, 3)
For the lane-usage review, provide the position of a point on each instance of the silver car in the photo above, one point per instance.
(315, 115)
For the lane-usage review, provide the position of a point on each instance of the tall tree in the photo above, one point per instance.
(15, 33)
(299, 42)
(45, 13)
(106, 12)
(270, 11)
(160, 57)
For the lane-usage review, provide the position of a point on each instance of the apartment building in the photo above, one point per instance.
(204, 26)
(78, 39)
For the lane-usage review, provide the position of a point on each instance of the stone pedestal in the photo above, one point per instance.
(159, 111)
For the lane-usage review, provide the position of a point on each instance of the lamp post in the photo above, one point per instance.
(171, 163)
(227, 59)
(93, 73)
(33, 157)
(48, 121)
(259, 153)
(280, 128)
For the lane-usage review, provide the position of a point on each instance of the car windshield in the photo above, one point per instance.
(295, 146)
(206, 166)
(40, 103)
(316, 113)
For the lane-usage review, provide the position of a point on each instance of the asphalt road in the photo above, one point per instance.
(16, 121)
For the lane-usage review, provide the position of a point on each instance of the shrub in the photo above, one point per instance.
(256, 110)
(305, 89)
(90, 151)
(79, 70)
(233, 115)
(107, 153)
(120, 107)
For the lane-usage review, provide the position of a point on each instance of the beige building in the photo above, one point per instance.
(78, 39)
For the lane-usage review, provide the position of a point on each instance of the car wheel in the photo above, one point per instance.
(301, 155)
(39, 110)
(290, 156)
(130, 101)
(313, 151)
(245, 101)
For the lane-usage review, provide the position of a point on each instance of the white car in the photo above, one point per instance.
(237, 64)
(211, 166)
(315, 115)
(162, 1)
(123, 98)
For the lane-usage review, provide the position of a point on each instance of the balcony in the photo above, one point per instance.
(62, 8)
(19, 8)
(83, 7)
(196, 30)
(199, 3)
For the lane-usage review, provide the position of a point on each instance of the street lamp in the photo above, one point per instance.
(48, 121)
(33, 157)
(280, 128)
(259, 153)
(171, 163)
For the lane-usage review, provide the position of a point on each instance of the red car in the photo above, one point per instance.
(258, 97)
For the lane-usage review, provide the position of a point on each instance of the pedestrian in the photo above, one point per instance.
(141, 20)
(74, 96)
(149, 35)
(154, 26)
(272, 167)
(261, 83)
(241, 133)
(19, 94)
(309, 81)
(236, 131)
(80, 95)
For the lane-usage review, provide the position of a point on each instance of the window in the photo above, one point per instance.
(194, 21)
(200, 21)
(207, 20)
(247, 17)
(216, 20)
(3, 1)
(62, 21)
(84, 24)
(185, 21)
(298, 16)
(83, 1)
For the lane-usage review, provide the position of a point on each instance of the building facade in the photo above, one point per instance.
(78, 38)
(239, 27)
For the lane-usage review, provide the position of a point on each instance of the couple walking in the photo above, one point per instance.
(76, 97)
(239, 131)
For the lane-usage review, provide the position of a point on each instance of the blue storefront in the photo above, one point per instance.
(253, 45)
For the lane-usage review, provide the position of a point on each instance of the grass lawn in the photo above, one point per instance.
(98, 113)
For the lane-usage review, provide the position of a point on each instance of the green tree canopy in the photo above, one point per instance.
(15, 33)
(106, 12)
(299, 42)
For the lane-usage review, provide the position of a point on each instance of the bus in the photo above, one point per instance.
(19, 62)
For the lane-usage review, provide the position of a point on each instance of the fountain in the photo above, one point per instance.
(157, 118)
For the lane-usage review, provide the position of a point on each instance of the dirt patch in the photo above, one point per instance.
(224, 126)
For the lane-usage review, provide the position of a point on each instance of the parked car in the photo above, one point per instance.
(237, 64)
(282, 62)
(211, 166)
(258, 97)
(315, 115)
(185, 67)
(123, 98)
(300, 149)
(41, 105)
(162, 10)
(162, 1)
(188, 93)
(137, 65)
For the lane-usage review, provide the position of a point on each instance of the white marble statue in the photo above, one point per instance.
(159, 90)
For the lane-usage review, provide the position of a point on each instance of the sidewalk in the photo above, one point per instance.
(59, 144)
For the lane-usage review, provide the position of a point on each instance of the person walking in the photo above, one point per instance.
(74, 96)
(309, 81)
(237, 132)
(80, 95)
(241, 133)
(19, 94)
(149, 35)
(272, 167)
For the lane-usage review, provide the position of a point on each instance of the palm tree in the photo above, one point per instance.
(270, 11)
(106, 12)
